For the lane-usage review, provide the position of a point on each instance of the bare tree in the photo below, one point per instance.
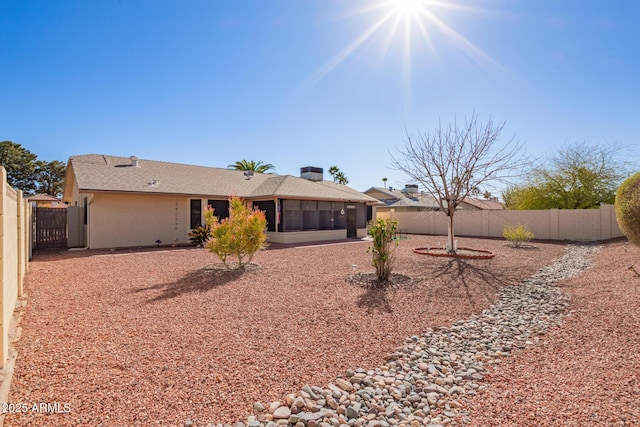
(455, 160)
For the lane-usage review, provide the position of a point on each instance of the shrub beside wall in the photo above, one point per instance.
(628, 208)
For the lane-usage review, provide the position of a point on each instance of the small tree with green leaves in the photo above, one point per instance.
(517, 234)
(383, 231)
(239, 236)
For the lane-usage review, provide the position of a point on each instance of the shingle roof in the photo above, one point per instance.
(398, 198)
(94, 172)
(487, 204)
(43, 198)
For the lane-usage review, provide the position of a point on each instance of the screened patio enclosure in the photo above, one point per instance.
(309, 215)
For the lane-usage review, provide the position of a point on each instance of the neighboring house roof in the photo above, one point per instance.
(398, 199)
(484, 204)
(411, 199)
(94, 172)
(383, 193)
(43, 198)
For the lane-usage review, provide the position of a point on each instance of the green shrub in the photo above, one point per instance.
(628, 208)
(383, 231)
(240, 236)
(200, 235)
(517, 234)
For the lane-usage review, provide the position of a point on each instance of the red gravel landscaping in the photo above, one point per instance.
(154, 338)
(585, 373)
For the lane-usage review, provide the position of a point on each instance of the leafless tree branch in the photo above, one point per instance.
(455, 159)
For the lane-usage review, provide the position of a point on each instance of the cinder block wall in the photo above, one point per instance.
(552, 224)
(15, 219)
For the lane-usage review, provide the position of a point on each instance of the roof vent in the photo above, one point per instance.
(248, 174)
(311, 173)
(134, 161)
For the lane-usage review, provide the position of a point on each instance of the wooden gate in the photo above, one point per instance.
(50, 228)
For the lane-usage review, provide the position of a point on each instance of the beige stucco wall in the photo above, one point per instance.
(14, 255)
(9, 255)
(123, 220)
(552, 224)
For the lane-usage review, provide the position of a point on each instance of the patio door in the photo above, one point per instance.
(351, 221)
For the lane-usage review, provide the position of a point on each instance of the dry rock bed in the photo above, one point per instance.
(156, 338)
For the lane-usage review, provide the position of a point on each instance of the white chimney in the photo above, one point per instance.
(134, 161)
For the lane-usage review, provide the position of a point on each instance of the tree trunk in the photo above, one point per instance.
(450, 242)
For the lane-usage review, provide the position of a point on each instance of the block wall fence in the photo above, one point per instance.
(15, 251)
(551, 224)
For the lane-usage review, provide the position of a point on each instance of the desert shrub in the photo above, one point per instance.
(240, 235)
(382, 231)
(517, 234)
(200, 235)
(628, 208)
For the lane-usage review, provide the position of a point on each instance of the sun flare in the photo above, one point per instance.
(407, 8)
(420, 28)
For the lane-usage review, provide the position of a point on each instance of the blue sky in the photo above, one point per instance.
(312, 82)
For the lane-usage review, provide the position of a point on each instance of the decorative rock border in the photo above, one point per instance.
(478, 253)
(424, 381)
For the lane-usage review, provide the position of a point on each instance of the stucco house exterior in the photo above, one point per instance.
(125, 202)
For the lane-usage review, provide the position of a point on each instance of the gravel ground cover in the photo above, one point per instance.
(154, 338)
(585, 373)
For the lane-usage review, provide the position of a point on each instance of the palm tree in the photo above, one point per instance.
(340, 178)
(333, 171)
(384, 181)
(251, 165)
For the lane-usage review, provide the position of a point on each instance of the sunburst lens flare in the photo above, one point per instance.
(407, 8)
(404, 20)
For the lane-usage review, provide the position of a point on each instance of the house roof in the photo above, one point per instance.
(43, 198)
(399, 198)
(96, 172)
(484, 204)
(381, 193)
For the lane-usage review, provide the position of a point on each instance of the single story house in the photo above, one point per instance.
(125, 202)
(410, 199)
(46, 201)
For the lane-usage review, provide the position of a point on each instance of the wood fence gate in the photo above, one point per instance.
(50, 228)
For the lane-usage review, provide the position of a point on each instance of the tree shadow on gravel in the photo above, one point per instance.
(478, 274)
(375, 299)
(201, 280)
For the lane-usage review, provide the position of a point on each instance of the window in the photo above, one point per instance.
(220, 208)
(85, 208)
(196, 213)
(269, 209)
